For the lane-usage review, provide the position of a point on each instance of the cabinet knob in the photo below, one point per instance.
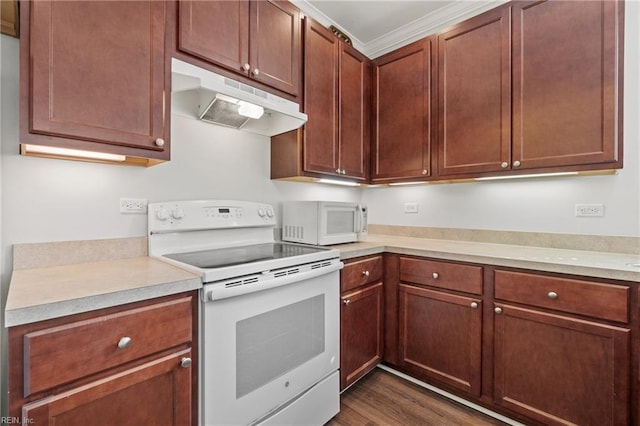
(346, 302)
(497, 310)
(185, 362)
(365, 273)
(246, 67)
(504, 165)
(474, 305)
(338, 171)
(256, 71)
(344, 172)
(516, 163)
(159, 142)
(424, 172)
(435, 275)
(124, 342)
(552, 295)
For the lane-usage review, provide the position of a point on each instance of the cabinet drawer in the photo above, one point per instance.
(451, 276)
(360, 272)
(62, 354)
(605, 301)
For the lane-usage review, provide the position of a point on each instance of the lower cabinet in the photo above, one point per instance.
(441, 336)
(558, 368)
(561, 370)
(542, 348)
(155, 393)
(361, 318)
(127, 365)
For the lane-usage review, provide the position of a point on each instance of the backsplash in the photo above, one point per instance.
(613, 244)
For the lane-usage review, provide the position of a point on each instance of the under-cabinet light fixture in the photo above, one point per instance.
(407, 183)
(338, 182)
(53, 151)
(541, 175)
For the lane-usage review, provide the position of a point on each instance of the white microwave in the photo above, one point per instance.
(323, 222)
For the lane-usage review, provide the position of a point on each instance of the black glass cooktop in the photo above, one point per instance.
(230, 256)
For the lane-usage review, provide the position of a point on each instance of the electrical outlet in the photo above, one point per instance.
(589, 210)
(411, 207)
(133, 205)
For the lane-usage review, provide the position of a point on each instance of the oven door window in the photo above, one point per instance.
(273, 343)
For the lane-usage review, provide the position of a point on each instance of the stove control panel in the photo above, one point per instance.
(176, 216)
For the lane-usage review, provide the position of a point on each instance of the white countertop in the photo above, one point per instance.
(594, 264)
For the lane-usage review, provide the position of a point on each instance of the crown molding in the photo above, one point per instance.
(434, 22)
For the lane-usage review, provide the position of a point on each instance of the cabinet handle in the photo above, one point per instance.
(474, 305)
(346, 302)
(246, 67)
(497, 310)
(435, 275)
(185, 362)
(256, 71)
(552, 295)
(516, 163)
(424, 172)
(159, 142)
(125, 342)
(504, 165)
(365, 273)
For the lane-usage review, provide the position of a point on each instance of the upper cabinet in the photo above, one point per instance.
(474, 88)
(567, 68)
(531, 86)
(256, 39)
(402, 119)
(94, 78)
(337, 86)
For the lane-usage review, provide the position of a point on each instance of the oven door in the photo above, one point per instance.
(262, 351)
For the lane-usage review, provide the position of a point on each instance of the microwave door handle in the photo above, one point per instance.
(361, 218)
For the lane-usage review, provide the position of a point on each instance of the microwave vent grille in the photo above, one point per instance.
(294, 232)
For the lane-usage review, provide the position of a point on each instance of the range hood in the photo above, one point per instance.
(207, 96)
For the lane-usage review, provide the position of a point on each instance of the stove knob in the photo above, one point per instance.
(162, 214)
(269, 212)
(177, 213)
(262, 212)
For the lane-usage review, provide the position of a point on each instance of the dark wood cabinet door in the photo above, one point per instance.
(216, 31)
(566, 86)
(559, 370)
(274, 52)
(355, 112)
(441, 337)
(360, 332)
(402, 113)
(97, 72)
(474, 95)
(321, 136)
(155, 393)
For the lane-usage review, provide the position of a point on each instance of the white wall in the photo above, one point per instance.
(541, 205)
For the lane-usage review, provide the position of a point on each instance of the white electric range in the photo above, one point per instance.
(269, 312)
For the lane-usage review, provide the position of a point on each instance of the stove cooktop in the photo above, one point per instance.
(242, 255)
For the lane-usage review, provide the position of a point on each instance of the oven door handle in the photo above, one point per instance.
(224, 292)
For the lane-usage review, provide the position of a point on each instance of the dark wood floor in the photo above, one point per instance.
(382, 398)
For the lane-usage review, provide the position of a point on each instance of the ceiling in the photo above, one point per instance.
(379, 26)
